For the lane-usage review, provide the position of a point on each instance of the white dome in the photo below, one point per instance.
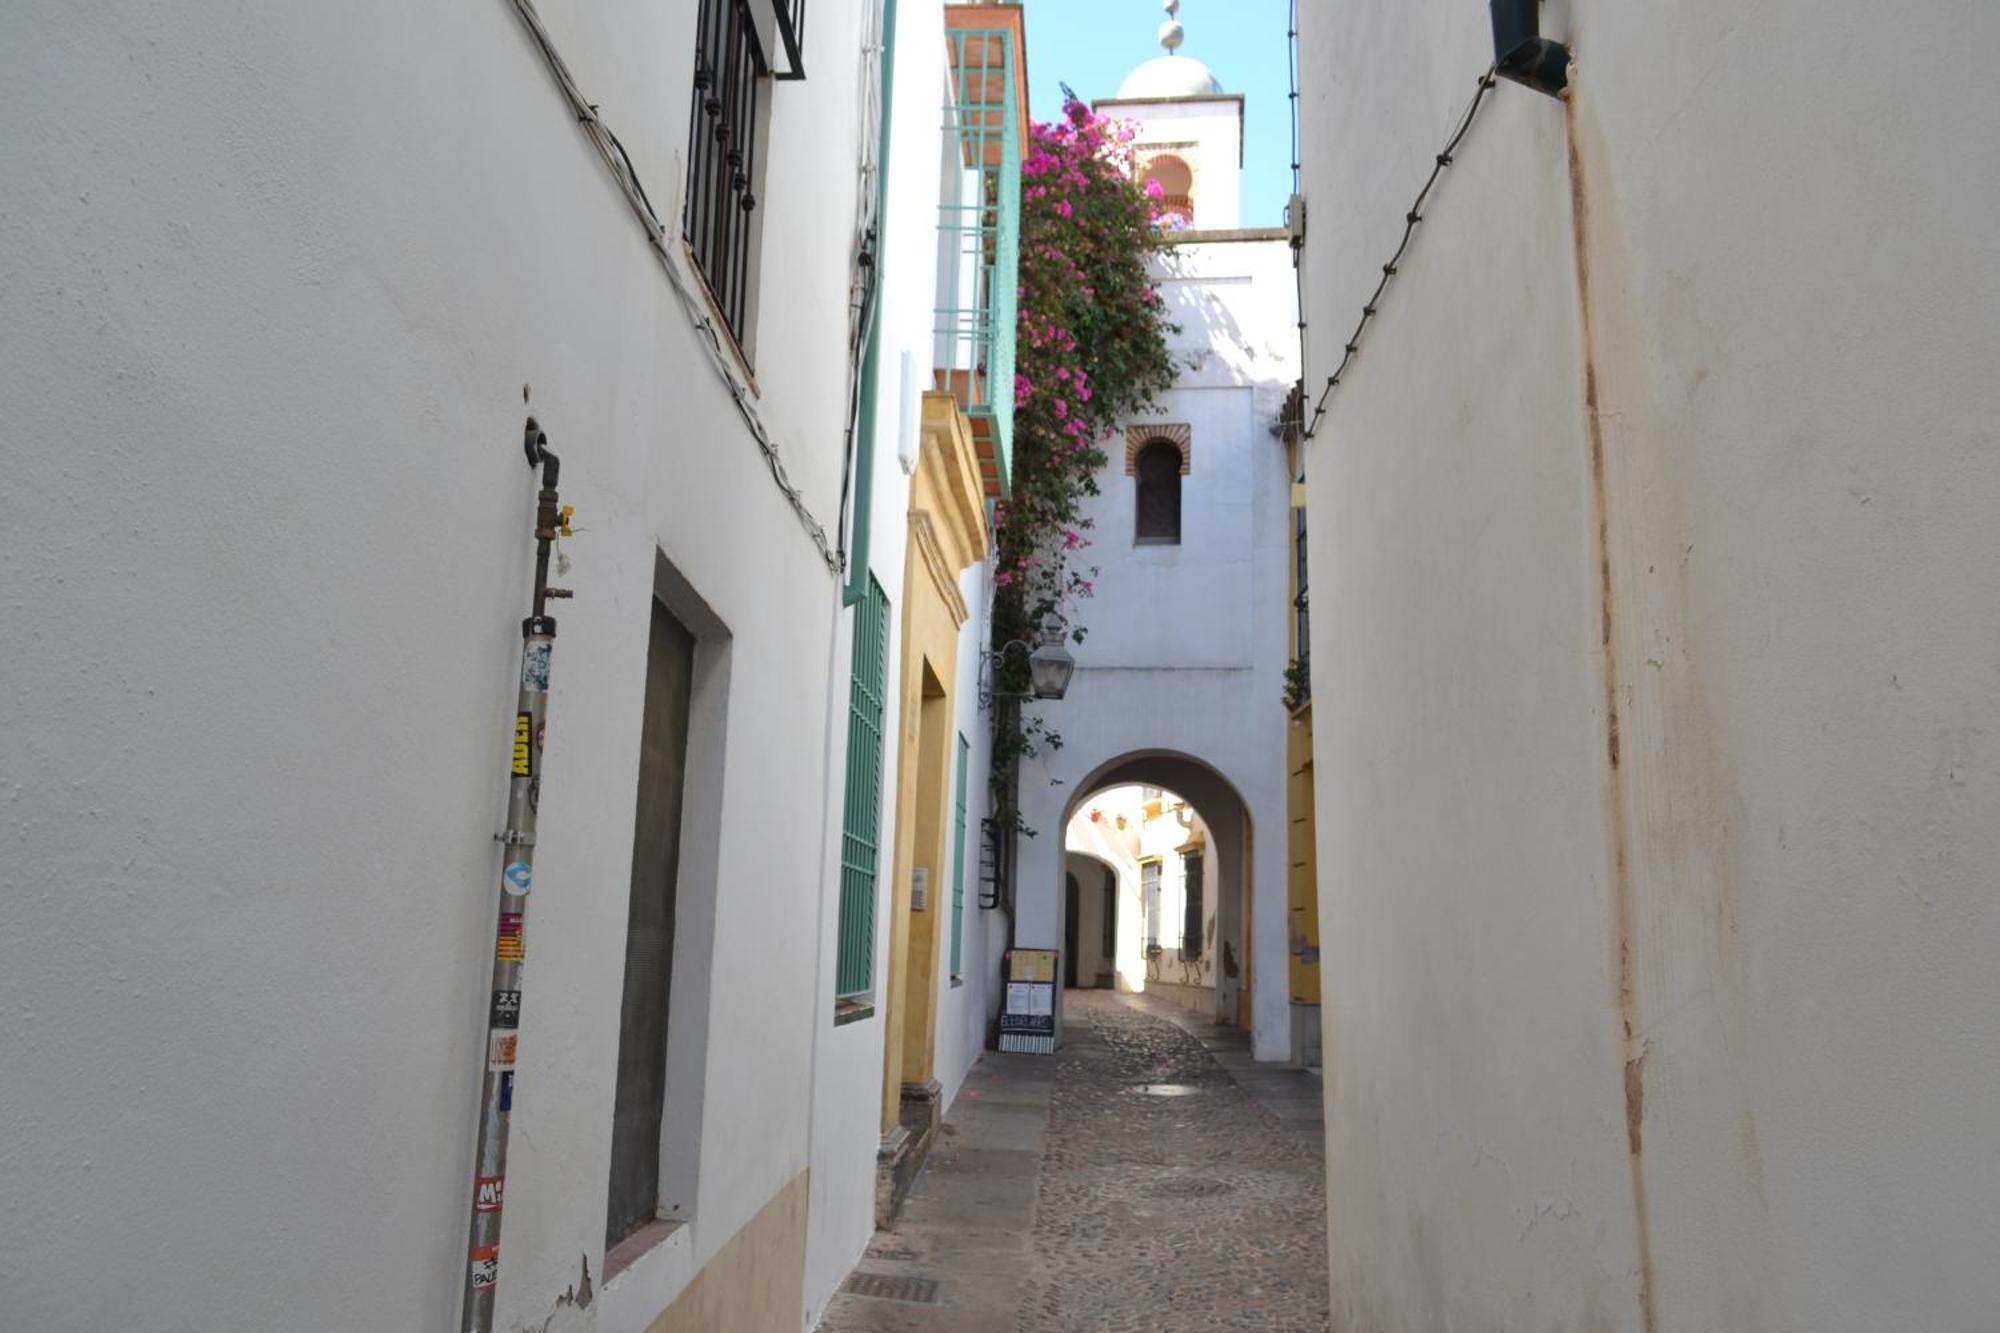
(1169, 76)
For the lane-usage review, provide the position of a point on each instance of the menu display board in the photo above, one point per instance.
(1028, 1018)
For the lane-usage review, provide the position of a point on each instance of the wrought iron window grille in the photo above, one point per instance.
(720, 219)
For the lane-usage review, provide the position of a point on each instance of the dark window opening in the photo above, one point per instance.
(1159, 471)
(1110, 924)
(1191, 916)
(1149, 895)
(640, 1097)
(720, 219)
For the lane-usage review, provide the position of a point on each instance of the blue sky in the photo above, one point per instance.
(1093, 44)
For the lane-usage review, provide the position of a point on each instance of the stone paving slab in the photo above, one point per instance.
(1065, 1196)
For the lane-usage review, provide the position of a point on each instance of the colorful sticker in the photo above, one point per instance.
(500, 1049)
(485, 1267)
(535, 667)
(510, 923)
(524, 749)
(486, 1192)
(519, 875)
(509, 949)
(506, 1009)
(507, 1091)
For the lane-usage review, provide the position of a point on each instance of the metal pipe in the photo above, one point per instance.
(524, 783)
(1521, 53)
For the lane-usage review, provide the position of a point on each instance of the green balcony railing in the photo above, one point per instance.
(979, 228)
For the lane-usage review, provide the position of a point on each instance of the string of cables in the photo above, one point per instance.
(864, 290)
(1410, 221)
(1296, 225)
(622, 170)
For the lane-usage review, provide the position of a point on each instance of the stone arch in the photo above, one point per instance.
(1227, 813)
(1176, 433)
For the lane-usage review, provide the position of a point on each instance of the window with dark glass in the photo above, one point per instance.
(720, 221)
(1149, 897)
(1191, 918)
(1110, 916)
(1159, 472)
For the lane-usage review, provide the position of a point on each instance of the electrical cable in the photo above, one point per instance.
(627, 177)
(866, 263)
(1410, 221)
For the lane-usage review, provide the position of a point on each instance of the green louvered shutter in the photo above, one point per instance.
(860, 852)
(958, 866)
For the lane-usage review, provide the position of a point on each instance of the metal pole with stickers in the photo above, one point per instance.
(524, 781)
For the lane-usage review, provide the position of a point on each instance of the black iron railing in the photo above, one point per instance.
(720, 219)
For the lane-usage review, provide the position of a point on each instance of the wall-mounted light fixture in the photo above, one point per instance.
(1522, 54)
(1050, 667)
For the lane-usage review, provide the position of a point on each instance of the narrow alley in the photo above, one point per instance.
(1153, 1176)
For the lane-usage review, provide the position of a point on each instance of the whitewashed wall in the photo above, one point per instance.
(1186, 648)
(967, 1010)
(846, 1108)
(275, 278)
(1702, 1039)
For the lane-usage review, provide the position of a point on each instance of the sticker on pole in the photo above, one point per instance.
(486, 1193)
(524, 745)
(507, 1091)
(485, 1267)
(510, 949)
(535, 667)
(519, 875)
(500, 1050)
(506, 1009)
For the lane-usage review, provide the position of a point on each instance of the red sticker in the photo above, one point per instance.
(485, 1267)
(500, 1048)
(486, 1192)
(510, 924)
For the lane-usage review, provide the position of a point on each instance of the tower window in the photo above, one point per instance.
(1176, 187)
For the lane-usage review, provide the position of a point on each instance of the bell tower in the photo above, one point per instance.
(1190, 134)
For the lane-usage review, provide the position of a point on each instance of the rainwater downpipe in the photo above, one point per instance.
(524, 776)
(871, 356)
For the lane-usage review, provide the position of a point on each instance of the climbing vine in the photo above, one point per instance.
(1090, 352)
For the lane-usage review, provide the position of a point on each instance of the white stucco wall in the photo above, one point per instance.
(1187, 644)
(846, 1108)
(275, 280)
(966, 1009)
(1702, 1039)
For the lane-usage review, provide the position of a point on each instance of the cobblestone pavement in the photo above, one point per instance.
(1151, 1177)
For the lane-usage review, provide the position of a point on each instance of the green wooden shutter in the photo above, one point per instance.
(860, 850)
(958, 866)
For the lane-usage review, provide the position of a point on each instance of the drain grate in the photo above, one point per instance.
(1190, 1187)
(888, 1287)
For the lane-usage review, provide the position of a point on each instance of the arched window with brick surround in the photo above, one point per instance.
(1158, 469)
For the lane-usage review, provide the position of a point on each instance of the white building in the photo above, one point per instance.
(283, 290)
(1136, 867)
(1178, 683)
(1654, 573)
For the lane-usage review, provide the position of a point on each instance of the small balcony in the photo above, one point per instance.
(979, 227)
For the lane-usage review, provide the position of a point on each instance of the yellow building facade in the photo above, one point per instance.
(947, 534)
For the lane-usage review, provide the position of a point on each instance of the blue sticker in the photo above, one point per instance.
(519, 875)
(507, 1091)
(535, 668)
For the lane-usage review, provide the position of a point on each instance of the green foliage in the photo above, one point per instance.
(1298, 686)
